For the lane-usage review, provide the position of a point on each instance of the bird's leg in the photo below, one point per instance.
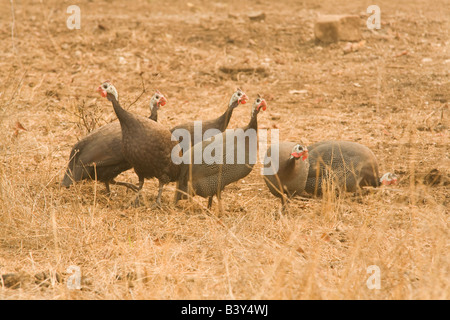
(125, 184)
(158, 198)
(137, 202)
(219, 200)
(177, 193)
(210, 199)
(282, 209)
(283, 200)
(108, 190)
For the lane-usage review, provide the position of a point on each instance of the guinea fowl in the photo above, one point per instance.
(221, 123)
(99, 154)
(147, 145)
(212, 174)
(286, 172)
(349, 165)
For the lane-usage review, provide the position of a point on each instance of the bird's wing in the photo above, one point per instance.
(102, 147)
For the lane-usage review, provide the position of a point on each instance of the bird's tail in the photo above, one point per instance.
(73, 172)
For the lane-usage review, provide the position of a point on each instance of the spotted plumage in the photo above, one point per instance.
(349, 165)
(209, 179)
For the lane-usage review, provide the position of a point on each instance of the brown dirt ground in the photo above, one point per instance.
(392, 96)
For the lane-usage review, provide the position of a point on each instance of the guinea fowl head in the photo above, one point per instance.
(157, 100)
(239, 97)
(259, 104)
(298, 152)
(389, 178)
(107, 88)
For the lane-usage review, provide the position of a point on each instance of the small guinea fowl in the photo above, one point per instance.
(349, 165)
(221, 123)
(103, 147)
(289, 176)
(209, 178)
(147, 145)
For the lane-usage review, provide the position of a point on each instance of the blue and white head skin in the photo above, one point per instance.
(239, 97)
(259, 104)
(106, 88)
(299, 151)
(389, 178)
(157, 100)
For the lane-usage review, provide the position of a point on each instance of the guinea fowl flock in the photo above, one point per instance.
(149, 147)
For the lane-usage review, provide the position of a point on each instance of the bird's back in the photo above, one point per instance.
(209, 178)
(219, 123)
(147, 147)
(349, 164)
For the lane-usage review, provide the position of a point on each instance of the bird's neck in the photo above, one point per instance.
(121, 113)
(253, 124)
(225, 117)
(154, 114)
(291, 162)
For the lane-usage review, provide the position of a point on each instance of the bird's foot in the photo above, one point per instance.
(156, 205)
(133, 187)
(136, 203)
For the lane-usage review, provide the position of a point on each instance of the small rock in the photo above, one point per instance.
(427, 60)
(333, 28)
(352, 47)
(260, 16)
(298, 91)
(403, 53)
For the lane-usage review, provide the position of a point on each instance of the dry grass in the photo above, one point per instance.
(321, 248)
